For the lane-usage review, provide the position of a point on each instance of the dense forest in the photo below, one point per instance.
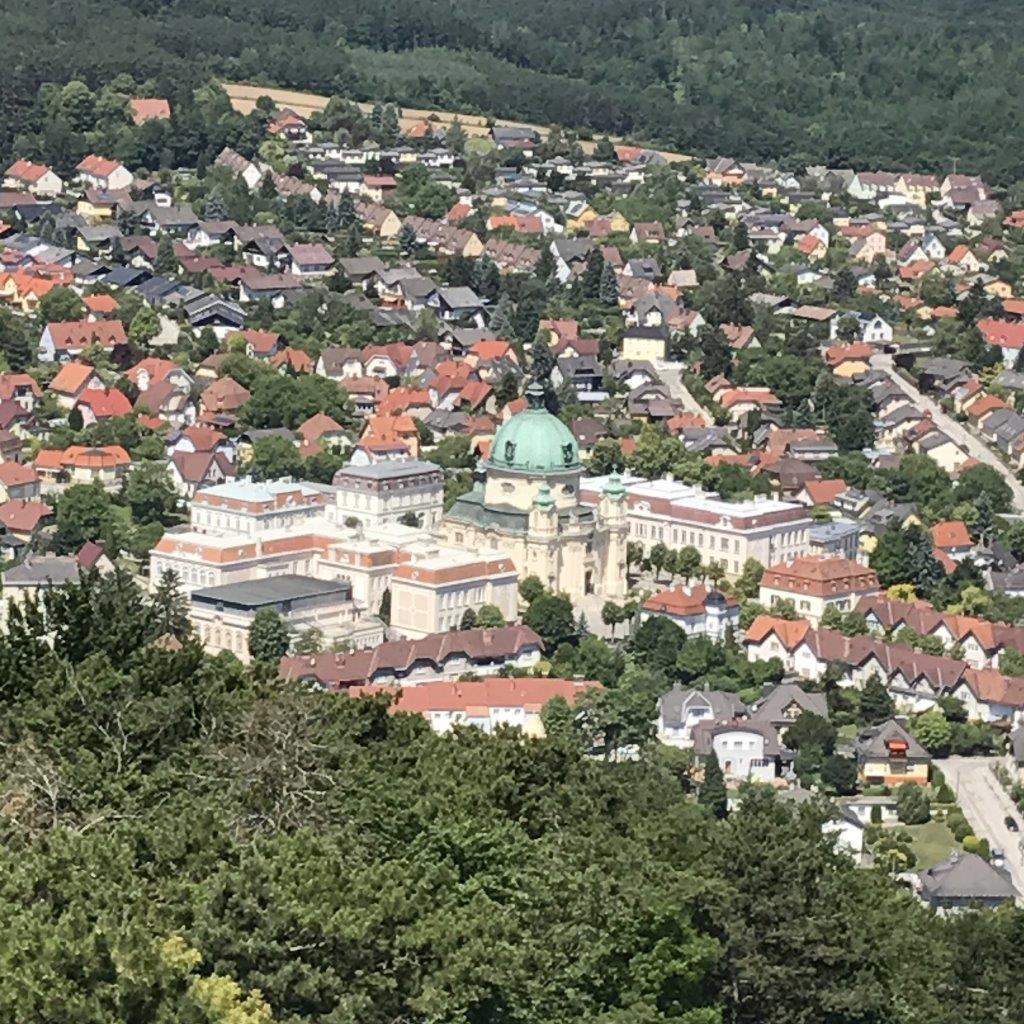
(186, 840)
(913, 85)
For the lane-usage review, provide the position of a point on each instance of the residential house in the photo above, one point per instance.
(697, 610)
(100, 173)
(680, 711)
(966, 881)
(888, 755)
(38, 179)
(61, 342)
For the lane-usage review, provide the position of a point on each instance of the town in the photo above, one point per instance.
(661, 457)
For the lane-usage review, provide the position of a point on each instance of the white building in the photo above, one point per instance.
(728, 532)
(432, 591)
(386, 492)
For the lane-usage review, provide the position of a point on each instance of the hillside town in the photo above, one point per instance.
(702, 454)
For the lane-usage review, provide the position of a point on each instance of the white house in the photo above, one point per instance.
(871, 328)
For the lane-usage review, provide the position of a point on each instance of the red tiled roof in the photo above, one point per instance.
(951, 534)
(149, 110)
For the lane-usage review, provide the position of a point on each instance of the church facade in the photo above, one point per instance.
(526, 504)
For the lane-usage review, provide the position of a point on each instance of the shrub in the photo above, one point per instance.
(957, 824)
(944, 795)
(912, 806)
(975, 844)
(938, 779)
(876, 815)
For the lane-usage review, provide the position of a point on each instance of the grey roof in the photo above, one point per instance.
(822, 533)
(274, 590)
(52, 569)
(723, 706)
(872, 742)
(460, 296)
(773, 706)
(966, 876)
(704, 734)
(388, 470)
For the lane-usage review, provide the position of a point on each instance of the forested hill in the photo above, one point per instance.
(878, 83)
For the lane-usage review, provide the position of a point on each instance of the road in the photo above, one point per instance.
(243, 98)
(970, 443)
(986, 805)
(671, 375)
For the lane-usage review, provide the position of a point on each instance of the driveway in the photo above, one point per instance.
(968, 441)
(986, 806)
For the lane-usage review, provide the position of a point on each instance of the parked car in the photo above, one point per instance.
(1011, 824)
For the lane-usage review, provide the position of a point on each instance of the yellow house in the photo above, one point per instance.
(472, 247)
(96, 210)
(580, 215)
(943, 451)
(888, 755)
(645, 343)
(1000, 289)
(618, 223)
(849, 360)
(22, 292)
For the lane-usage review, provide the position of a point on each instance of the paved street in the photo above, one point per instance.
(671, 376)
(973, 445)
(986, 806)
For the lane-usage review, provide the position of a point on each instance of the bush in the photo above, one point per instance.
(912, 806)
(975, 844)
(938, 779)
(957, 824)
(944, 795)
(876, 815)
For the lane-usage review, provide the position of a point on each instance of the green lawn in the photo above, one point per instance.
(932, 843)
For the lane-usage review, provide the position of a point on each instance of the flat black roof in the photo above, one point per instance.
(272, 590)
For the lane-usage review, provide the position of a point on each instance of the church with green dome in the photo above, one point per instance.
(525, 505)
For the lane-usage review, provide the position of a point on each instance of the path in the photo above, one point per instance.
(970, 442)
(986, 806)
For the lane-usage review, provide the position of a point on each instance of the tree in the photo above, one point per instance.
(933, 732)
(811, 731)
(384, 611)
(615, 721)
(844, 285)
(83, 514)
(611, 615)
(407, 239)
(748, 585)
(590, 279)
(144, 327)
(455, 137)
(468, 619)
(170, 607)
(608, 290)
(149, 493)
(688, 563)
(273, 458)
(550, 616)
(165, 262)
(839, 774)
(60, 305)
(269, 636)
(876, 705)
(912, 806)
(530, 589)
(713, 794)
(486, 279)
(489, 616)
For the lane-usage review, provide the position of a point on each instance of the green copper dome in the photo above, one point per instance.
(534, 441)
